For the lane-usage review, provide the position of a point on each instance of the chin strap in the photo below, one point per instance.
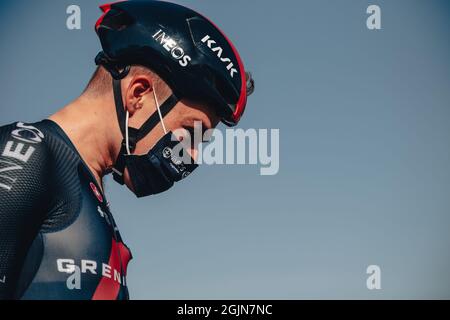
(131, 136)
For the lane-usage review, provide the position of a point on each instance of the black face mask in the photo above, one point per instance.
(158, 170)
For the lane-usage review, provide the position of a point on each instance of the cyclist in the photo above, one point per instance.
(162, 68)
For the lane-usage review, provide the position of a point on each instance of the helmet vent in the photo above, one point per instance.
(116, 20)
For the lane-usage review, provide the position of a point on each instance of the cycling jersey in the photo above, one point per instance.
(58, 239)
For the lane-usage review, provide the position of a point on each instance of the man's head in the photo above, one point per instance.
(139, 89)
(193, 57)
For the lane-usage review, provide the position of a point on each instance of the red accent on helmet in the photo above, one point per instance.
(105, 8)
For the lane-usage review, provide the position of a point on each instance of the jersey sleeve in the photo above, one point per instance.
(24, 198)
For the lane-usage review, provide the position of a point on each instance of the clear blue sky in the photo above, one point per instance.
(364, 118)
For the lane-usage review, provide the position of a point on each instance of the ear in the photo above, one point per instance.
(138, 88)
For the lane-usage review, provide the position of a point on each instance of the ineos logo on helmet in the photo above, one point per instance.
(172, 46)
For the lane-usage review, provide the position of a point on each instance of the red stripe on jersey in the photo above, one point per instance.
(108, 288)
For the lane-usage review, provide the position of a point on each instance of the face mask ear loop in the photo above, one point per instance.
(159, 111)
(127, 138)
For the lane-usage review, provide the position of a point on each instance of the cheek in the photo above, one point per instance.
(171, 122)
(149, 141)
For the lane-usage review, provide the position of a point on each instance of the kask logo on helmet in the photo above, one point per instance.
(172, 46)
(210, 43)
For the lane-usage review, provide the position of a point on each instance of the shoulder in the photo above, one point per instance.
(24, 155)
(23, 143)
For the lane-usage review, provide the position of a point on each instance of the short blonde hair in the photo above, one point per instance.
(101, 82)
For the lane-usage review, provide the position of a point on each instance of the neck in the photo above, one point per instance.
(91, 125)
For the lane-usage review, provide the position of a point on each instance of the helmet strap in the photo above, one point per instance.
(131, 136)
(159, 111)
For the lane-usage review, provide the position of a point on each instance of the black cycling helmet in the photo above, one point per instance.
(183, 47)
